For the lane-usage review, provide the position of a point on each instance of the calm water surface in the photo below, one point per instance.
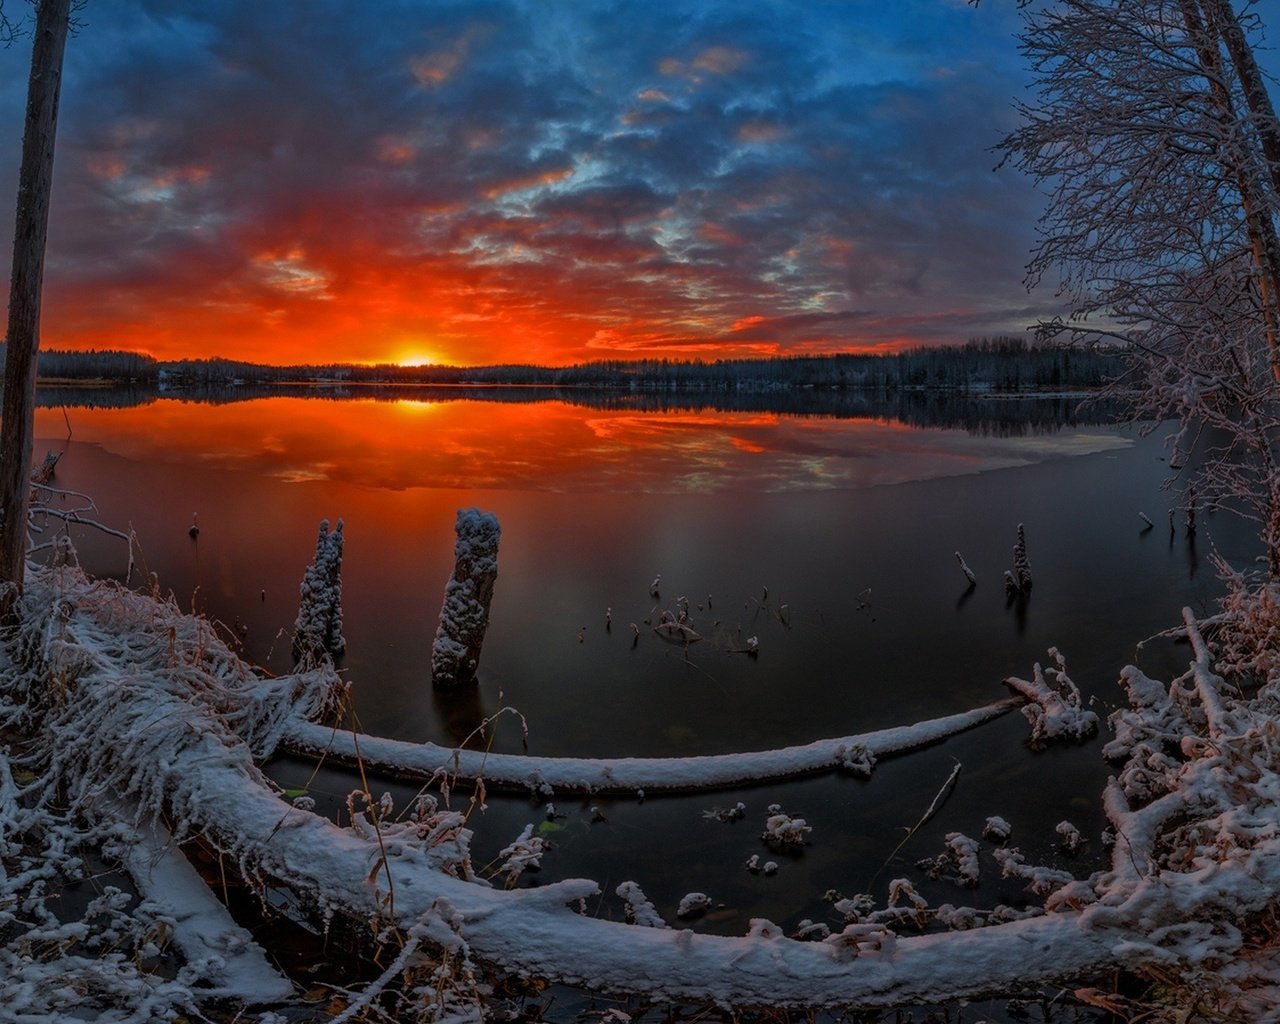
(849, 523)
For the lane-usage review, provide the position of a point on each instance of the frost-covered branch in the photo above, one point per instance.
(628, 775)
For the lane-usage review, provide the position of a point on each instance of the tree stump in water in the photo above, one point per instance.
(467, 596)
(318, 629)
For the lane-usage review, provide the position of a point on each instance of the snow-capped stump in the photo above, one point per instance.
(996, 830)
(781, 830)
(1054, 710)
(1021, 567)
(638, 908)
(318, 629)
(455, 654)
(964, 568)
(693, 904)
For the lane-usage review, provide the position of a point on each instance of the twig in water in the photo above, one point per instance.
(930, 811)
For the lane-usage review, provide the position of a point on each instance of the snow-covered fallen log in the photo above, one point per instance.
(628, 774)
(230, 962)
(177, 722)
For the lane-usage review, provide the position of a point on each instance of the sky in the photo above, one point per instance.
(544, 181)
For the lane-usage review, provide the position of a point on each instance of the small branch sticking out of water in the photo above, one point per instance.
(929, 812)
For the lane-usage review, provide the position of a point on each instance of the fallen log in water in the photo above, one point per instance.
(626, 775)
(177, 722)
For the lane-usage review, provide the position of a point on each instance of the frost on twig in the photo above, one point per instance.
(1054, 710)
(959, 861)
(524, 854)
(1040, 880)
(964, 568)
(318, 628)
(638, 908)
(464, 618)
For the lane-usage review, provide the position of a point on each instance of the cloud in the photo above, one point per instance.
(520, 181)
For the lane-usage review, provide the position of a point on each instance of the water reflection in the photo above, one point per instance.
(1001, 415)
(552, 445)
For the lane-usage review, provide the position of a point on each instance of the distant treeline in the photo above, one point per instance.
(1003, 415)
(998, 364)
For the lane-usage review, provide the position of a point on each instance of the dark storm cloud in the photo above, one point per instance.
(672, 175)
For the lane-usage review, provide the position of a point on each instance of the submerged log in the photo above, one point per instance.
(464, 618)
(318, 629)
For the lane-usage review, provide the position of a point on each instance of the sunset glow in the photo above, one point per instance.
(547, 183)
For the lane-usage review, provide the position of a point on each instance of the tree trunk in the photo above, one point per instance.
(1252, 84)
(1205, 34)
(30, 232)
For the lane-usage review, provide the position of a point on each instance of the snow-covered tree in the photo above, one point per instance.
(1157, 142)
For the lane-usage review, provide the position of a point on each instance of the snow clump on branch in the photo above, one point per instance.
(1054, 710)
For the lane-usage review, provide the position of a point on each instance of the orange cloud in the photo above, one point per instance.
(714, 60)
(759, 132)
(529, 181)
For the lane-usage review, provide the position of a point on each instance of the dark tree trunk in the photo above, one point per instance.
(1205, 35)
(30, 232)
(1252, 84)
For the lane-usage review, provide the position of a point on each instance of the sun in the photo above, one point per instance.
(416, 359)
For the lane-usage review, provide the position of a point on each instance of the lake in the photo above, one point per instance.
(829, 536)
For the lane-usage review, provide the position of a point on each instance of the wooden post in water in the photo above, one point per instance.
(318, 629)
(464, 619)
(31, 229)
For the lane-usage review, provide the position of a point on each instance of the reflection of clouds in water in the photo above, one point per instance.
(551, 446)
